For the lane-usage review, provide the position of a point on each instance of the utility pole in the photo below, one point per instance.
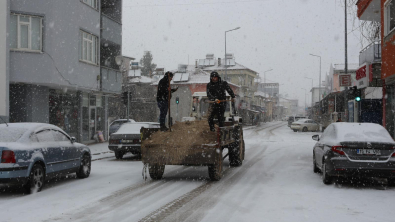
(345, 36)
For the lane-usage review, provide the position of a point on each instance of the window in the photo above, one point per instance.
(88, 47)
(26, 32)
(60, 137)
(91, 3)
(45, 136)
(389, 16)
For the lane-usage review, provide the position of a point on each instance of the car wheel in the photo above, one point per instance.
(156, 171)
(85, 167)
(118, 154)
(304, 129)
(295, 130)
(315, 168)
(326, 179)
(36, 179)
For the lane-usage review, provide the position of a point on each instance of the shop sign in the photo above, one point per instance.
(362, 76)
(345, 80)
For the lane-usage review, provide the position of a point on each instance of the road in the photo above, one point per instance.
(275, 183)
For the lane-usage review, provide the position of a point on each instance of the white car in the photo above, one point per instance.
(305, 125)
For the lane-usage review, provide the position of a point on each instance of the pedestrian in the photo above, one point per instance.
(216, 92)
(162, 98)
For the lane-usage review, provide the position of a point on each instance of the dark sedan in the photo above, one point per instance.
(31, 153)
(128, 138)
(354, 150)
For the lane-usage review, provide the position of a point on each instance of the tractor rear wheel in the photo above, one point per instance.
(156, 171)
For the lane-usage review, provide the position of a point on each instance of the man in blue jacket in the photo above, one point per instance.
(162, 98)
(216, 92)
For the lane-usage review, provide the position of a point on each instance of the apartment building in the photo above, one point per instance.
(383, 11)
(62, 66)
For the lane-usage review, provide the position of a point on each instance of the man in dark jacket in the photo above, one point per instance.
(216, 92)
(162, 97)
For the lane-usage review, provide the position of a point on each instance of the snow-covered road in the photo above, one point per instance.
(275, 183)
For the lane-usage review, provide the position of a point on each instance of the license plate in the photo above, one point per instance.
(368, 152)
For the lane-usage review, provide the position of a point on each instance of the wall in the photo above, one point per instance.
(58, 65)
(388, 50)
(4, 58)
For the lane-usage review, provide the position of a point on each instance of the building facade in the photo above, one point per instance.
(4, 58)
(62, 68)
(383, 12)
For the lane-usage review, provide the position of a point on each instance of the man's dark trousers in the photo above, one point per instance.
(219, 111)
(163, 107)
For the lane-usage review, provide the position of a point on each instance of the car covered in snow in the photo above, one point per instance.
(32, 153)
(116, 124)
(128, 138)
(354, 150)
(305, 125)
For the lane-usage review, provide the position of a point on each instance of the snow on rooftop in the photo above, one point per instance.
(141, 79)
(196, 76)
(259, 93)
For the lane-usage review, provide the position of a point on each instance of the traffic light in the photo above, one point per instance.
(177, 100)
(355, 93)
(125, 97)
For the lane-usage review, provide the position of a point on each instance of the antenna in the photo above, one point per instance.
(4, 121)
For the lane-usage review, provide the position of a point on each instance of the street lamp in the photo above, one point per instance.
(312, 85)
(319, 83)
(226, 67)
(264, 75)
(304, 100)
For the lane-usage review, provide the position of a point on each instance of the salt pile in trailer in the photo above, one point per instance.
(187, 143)
(185, 134)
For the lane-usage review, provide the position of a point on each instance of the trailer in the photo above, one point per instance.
(156, 155)
(230, 137)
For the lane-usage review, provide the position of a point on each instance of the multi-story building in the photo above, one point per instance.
(4, 57)
(237, 74)
(62, 66)
(383, 12)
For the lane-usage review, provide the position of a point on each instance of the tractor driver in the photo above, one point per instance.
(216, 93)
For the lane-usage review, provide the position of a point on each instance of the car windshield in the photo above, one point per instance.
(11, 134)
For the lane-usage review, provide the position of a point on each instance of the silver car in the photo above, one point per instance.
(128, 138)
(305, 125)
(354, 150)
(31, 153)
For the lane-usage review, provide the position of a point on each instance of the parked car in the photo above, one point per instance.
(128, 138)
(354, 150)
(305, 125)
(114, 126)
(32, 153)
(292, 119)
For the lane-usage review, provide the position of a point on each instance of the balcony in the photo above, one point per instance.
(370, 54)
(369, 10)
(111, 80)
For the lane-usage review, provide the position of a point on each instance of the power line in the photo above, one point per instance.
(208, 3)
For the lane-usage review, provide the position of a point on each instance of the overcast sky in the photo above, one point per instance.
(274, 34)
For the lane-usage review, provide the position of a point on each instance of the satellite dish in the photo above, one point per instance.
(119, 60)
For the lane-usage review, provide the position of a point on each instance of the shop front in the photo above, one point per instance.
(63, 111)
(93, 120)
(79, 114)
